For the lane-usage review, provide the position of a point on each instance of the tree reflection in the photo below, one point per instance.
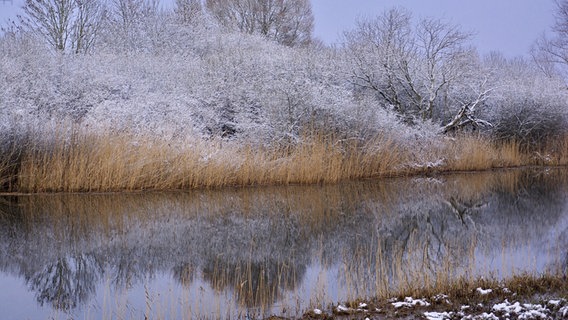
(67, 282)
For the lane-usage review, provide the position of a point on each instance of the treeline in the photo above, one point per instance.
(255, 63)
(250, 72)
(78, 25)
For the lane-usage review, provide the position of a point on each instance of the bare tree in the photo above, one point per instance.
(289, 22)
(88, 21)
(552, 52)
(382, 52)
(64, 24)
(415, 69)
(444, 58)
(127, 12)
(51, 20)
(187, 10)
(466, 114)
(528, 104)
(541, 52)
(136, 25)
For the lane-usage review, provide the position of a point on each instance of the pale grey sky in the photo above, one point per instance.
(509, 26)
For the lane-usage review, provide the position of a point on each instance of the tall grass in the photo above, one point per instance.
(470, 153)
(76, 161)
(85, 162)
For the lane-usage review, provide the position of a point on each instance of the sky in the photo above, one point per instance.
(508, 26)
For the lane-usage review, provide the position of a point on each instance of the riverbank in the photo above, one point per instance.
(520, 297)
(77, 161)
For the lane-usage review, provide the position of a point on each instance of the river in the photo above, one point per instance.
(254, 252)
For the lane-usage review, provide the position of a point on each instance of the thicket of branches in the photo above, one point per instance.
(251, 70)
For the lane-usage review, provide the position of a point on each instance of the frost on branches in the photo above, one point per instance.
(128, 65)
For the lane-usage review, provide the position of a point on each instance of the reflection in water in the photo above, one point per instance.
(66, 282)
(280, 250)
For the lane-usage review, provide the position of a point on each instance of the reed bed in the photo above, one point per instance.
(469, 153)
(86, 162)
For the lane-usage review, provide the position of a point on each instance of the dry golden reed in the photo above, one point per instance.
(83, 162)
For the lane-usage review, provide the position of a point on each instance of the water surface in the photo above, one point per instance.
(251, 253)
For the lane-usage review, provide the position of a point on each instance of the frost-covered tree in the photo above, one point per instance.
(444, 60)
(417, 70)
(552, 52)
(136, 25)
(289, 22)
(89, 19)
(51, 20)
(187, 10)
(64, 24)
(125, 16)
(381, 52)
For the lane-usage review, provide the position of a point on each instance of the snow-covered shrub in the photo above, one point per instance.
(208, 84)
(530, 124)
(525, 106)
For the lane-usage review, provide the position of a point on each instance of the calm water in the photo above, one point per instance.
(279, 250)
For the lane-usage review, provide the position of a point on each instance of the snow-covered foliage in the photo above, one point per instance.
(165, 76)
(198, 81)
(525, 105)
(422, 70)
(288, 22)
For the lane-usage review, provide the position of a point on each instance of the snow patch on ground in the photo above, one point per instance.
(504, 310)
(410, 302)
(521, 311)
(342, 309)
(438, 315)
(563, 311)
(554, 302)
(483, 292)
(483, 316)
(441, 298)
(552, 309)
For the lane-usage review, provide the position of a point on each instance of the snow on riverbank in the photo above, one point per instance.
(437, 308)
(508, 310)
